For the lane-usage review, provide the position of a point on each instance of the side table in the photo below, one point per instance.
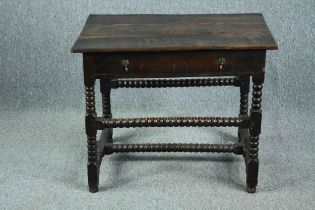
(147, 51)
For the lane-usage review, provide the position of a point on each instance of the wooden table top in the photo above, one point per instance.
(148, 33)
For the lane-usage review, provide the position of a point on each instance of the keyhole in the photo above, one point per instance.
(125, 63)
(221, 62)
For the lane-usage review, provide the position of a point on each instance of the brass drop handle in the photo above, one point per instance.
(221, 62)
(125, 64)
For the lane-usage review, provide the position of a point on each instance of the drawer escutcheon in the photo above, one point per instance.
(221, 63)
(125, 64)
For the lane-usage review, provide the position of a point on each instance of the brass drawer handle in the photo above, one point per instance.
(125, 64)
(221, 62)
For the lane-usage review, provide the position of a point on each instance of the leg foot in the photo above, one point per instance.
(252, 175)
(251, 190)
(93, 176)
(93, 188)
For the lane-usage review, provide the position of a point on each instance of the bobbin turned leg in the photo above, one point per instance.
(93, 167)
(252, 162)
(244, 89)
(105, 90)
(90, 118)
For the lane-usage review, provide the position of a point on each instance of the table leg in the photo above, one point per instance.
(90, 120)
(252, 162)
(105, 90)
(93, 166)
(244, 90)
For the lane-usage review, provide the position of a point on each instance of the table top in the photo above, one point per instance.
(145, 33)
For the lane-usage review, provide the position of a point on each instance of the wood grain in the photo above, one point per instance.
(125, 33)
(178, 64)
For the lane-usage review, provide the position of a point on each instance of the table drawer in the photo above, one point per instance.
(178, 64)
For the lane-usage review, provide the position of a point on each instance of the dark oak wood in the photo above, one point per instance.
(102, 123)
(105, 90)
(164, 83)
(141, 51)
(244, 90)
(105, 138)
(90, 116)
(252, 161)
(122, 33)
(236, 148)
(178, 64)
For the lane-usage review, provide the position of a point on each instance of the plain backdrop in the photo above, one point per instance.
(42, 137)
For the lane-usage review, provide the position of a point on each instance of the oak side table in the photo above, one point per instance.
(147, 51)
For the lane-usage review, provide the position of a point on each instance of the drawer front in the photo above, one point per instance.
(178, 64)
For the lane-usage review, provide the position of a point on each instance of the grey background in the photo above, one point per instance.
(42, 139)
